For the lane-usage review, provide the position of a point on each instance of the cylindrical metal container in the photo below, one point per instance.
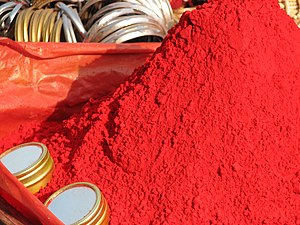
(79, 203)
(31, 163)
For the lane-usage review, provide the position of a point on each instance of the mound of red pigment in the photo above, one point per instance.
(206, 132)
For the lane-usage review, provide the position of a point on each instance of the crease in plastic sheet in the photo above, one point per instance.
(39, 80)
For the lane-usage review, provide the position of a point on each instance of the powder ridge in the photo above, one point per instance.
(206, 132)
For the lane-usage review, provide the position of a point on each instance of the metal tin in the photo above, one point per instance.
(31, 163)
(79, 198)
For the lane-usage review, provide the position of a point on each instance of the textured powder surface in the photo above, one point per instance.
(206, 132)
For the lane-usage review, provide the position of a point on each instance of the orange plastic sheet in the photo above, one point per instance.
(40, 81)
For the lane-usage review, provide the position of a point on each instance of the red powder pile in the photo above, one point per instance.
(206, 132)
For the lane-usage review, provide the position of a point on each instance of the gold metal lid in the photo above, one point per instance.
(79, 203)
(31, 163)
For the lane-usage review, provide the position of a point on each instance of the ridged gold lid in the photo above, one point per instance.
(31, 163)
(97, 212)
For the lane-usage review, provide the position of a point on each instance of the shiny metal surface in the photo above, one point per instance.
(67, 34)
(74, 17)
(119, 15)
(149, 4)
(168, 13)
(25, 21)
(18, 27)
(12, 15)
(3, 21)
(56, 32)
(40, 24)
(68, 29)
(120, 23)
(45, 23)
(140, 9)
(7, 7)
(49, 25)
(72, 32)
(106, 19)
(33, 26)
(132, 32)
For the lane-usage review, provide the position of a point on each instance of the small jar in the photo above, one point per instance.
(79, 203)
(31, 163)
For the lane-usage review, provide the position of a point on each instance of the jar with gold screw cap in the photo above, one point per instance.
(79, 203)
(31, 163)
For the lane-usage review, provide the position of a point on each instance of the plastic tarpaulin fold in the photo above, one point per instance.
(42, 79)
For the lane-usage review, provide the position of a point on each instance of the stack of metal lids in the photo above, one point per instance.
(107, 21)
(86, 20)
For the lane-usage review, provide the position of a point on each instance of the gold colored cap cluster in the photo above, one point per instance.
(38, 25)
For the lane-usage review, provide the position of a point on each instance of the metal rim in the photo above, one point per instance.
(94, 209)
(34, 165)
